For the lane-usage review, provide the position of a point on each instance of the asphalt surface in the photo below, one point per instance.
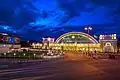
(75, 67)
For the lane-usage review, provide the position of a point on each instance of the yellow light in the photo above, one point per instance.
(83, 48)
(73, 37)
(115, 36)
(14, 54)
(66, 44)
(51, 44)
(101, 36)
(85, 44)
(112, 36)
(91, 49)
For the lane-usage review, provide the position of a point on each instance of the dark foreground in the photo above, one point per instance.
(72, 68)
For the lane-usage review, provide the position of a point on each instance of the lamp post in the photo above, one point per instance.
(24, 54)
(5, 55)
(88, 29)
(34, 55)
(14, 55)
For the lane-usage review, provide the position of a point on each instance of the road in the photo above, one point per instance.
(75, 67)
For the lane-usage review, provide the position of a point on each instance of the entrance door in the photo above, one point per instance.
(108, 47)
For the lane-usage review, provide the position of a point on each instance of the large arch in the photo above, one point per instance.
(81, 33)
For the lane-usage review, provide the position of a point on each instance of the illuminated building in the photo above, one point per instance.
(108, 43)
(79, 41)
(8, 41)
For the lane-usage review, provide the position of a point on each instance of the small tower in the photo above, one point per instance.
(108, 43)
(46, 42)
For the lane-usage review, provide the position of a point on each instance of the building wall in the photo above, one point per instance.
(81, 47)
(112, 42)
(17, 46)
(4, 48)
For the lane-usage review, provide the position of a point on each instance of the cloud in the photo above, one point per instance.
(55, 17)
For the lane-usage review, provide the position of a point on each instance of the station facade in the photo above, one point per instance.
(79, 41)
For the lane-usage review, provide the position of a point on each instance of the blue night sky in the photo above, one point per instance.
(34, 19)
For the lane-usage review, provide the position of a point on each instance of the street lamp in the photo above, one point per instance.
(88, 29)
(14, 55)
(24, 54)
(34, 55)
(5, 55)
